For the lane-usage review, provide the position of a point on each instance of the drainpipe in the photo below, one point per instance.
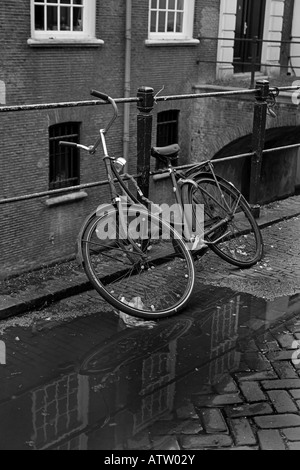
(127, 84)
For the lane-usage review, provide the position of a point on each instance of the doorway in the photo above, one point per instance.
(250, 18)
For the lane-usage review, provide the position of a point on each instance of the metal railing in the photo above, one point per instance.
(145, 103)
(254, 42)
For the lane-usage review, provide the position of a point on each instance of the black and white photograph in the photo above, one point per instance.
(127, 126)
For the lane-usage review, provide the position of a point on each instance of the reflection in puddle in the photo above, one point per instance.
(132, 389)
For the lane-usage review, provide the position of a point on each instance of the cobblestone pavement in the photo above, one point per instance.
(280, 224)
(223, 375)
(256, 408)
(276, 275)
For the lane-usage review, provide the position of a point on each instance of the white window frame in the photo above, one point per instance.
(88, 34)
(187, 30)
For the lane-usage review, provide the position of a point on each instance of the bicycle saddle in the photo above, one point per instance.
(169, 151)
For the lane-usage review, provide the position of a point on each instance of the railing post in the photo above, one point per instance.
(144, 136)
(258, 142)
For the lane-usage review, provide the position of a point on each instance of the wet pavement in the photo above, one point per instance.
(276, 275)
(224, 374)
(279, 220)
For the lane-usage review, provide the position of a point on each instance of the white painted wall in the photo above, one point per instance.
(272, 31)
(226, 30)
(295, 49)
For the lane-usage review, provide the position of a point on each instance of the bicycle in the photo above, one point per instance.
(129, 346)
(231, 230)
(133, 258)
(142, 264)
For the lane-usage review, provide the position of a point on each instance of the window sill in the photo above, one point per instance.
(172, 42)
(65, 42)
(66, 198)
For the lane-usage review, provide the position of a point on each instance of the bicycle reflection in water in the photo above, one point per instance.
(141, 375)
(138, 381)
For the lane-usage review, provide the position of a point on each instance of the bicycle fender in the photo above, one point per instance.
(187, 181)
(96, 213)
(78, 246)
(200, 174)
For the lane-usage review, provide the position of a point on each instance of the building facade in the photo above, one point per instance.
(255, 39)
(56, 52)
(242, 20)
(53, 52)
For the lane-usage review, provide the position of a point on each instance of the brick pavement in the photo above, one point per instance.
(276, 275)
(254, 405)
(255, 409)
(251, 403)
(281, 240)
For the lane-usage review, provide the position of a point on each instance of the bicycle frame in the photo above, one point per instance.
(176, 236)
(178, 182)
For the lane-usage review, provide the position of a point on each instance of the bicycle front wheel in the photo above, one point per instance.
(237, 235)
(143, 269)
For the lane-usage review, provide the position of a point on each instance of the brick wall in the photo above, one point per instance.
(33, 233)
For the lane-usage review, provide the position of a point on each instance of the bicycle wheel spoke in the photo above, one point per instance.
(236, 236)
(148, 283)
(210, 201)
(145, 276)
(117, 248)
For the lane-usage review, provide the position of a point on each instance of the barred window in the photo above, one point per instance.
(171, 19)
(64, 161)
(66, 15)
(167, 130)
(167, 127)
(63, 19)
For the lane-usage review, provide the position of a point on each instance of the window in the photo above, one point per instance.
(64, 161)
(167, 130)
(63, 19)
(171, 19)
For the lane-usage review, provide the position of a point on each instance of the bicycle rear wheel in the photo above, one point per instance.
(240, 240)
(141, 272)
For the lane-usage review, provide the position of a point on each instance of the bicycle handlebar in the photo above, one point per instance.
(67, 144)
(77, 146)
(92, 148)
(108, 99)
(100, 95)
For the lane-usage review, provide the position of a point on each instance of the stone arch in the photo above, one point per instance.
(280, 175)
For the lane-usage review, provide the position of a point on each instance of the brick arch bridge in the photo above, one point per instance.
(222, 127)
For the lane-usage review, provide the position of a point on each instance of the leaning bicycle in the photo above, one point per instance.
(227, 225)
(142, 262)
(135, 260)
(231, 230)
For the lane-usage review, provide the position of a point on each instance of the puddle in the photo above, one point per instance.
(93, 383)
